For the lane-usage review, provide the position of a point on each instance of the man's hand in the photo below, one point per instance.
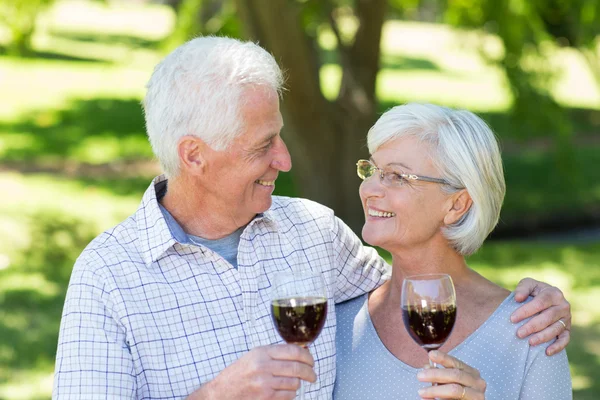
(264, 373)
(554, 320)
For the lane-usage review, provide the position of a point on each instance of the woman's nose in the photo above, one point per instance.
(372, 187)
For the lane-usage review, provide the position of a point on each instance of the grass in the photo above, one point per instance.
(74, 160)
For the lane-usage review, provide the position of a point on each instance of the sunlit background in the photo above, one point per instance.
(74, 159)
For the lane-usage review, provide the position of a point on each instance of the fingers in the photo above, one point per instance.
(563, 339)
(544, 299)
(293, 369)
(284, 395)
(454, 373)
(290, 352)
(447, 361)
(454, 380)
(291, 361)
(546, 331)
(452, 391)
(286, 384)
(450, 376)
(526, 287)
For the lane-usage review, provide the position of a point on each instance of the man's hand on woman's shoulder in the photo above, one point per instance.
(551, 314)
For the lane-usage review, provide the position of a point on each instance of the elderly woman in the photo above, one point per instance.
(432, 192)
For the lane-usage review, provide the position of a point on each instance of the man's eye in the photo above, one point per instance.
(266, 147)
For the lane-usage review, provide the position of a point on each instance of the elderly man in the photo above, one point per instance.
(174, 301)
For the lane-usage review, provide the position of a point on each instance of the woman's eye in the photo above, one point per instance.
(395, 177)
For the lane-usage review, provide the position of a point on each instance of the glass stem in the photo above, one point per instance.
(302, 383)
(432, 365)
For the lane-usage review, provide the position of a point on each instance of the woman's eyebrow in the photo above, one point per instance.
(393, 164)
(400, 164)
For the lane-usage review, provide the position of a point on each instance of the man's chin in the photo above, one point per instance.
(264, 204)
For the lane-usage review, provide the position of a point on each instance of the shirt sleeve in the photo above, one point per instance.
(93, 360)
(359, 268)
(547, 377)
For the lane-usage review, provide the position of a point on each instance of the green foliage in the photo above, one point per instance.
(32, 294)
(94, 131)
(203, 17)
(56, 241)
(521, 26)
(20, 16)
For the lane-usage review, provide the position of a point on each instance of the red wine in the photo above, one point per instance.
(299, 320)
(431, 327)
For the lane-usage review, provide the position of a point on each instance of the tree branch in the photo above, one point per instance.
(364, 55)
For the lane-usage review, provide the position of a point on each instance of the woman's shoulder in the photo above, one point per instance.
(500, 333)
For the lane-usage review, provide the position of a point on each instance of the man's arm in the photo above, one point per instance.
(93, 360)
(552, 306)
(360, 269)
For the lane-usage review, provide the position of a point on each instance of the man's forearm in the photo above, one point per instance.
(205, 392)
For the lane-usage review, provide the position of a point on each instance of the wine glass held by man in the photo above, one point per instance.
(299, 308)
(432, 192)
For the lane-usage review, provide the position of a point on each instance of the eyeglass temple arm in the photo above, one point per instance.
(424, 178)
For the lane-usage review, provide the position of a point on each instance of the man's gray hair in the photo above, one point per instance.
(197, 90)
(466, 154)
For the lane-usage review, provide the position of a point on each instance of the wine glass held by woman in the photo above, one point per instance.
(432, 191)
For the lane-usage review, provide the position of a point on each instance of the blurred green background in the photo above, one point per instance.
(74, 159)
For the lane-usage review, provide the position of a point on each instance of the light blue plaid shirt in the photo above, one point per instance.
(148, 317)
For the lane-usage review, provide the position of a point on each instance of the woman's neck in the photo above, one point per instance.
(442, 260)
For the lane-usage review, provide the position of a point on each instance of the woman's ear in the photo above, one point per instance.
(191, 150)
(460, 203)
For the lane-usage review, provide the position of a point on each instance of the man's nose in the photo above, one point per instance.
(282, 160)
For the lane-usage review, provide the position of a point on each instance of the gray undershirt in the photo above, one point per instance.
(226, 247)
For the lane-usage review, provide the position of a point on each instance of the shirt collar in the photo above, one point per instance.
(156, 235)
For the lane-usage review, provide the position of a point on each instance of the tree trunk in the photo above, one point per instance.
(324, 138)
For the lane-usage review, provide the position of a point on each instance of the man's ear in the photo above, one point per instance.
(192, 151)
(458, 205)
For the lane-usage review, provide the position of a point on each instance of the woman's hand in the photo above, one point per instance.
(456, 380)
(553, 320)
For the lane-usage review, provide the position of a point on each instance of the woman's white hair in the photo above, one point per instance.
(197, 90)
(466, 154)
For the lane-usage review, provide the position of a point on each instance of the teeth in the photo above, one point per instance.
(265, 183)
(382, 214)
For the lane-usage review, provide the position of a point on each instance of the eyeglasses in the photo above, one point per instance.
(365, 169)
